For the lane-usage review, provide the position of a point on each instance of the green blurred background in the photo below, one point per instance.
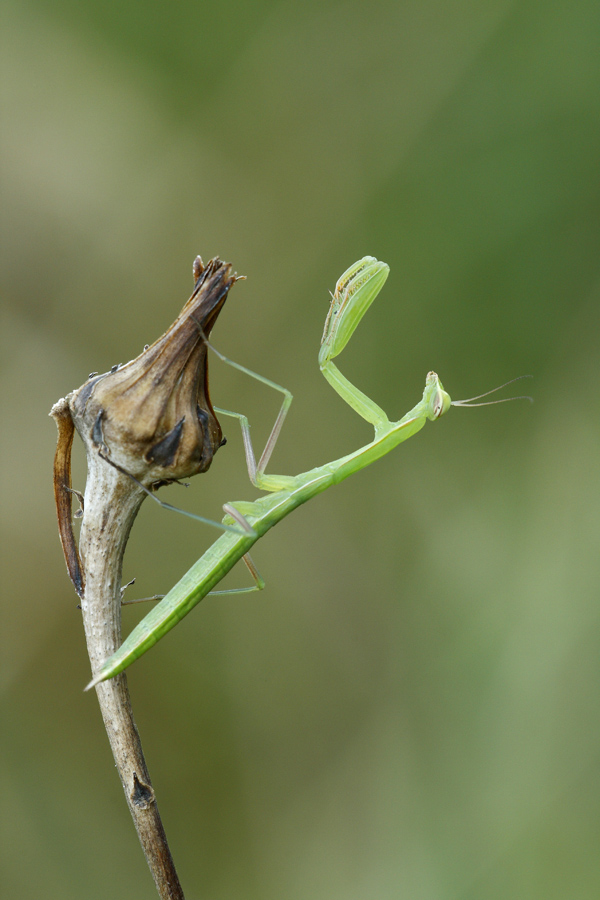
(411, 709)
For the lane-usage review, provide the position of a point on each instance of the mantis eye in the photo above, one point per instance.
(441, 403)
(437, 400)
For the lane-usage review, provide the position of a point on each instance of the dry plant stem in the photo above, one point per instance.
(111, 504)
(149, 422)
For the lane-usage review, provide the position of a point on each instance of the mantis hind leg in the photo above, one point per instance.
(259, 581)
(244, 526)
(258, 585)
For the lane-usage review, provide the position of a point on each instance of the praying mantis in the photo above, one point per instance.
(246, 522)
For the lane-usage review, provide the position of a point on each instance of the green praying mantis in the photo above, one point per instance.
(247, 521)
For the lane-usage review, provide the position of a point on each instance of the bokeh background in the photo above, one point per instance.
(411, 709)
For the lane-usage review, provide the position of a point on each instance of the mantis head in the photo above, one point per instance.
(435, 399)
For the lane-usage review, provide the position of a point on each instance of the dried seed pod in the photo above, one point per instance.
(152, 417)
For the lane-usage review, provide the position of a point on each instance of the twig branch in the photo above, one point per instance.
(143, 425)
(111, 504)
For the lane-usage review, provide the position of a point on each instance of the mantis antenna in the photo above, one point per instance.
(469, 402)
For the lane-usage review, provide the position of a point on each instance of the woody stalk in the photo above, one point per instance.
(145, 424)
